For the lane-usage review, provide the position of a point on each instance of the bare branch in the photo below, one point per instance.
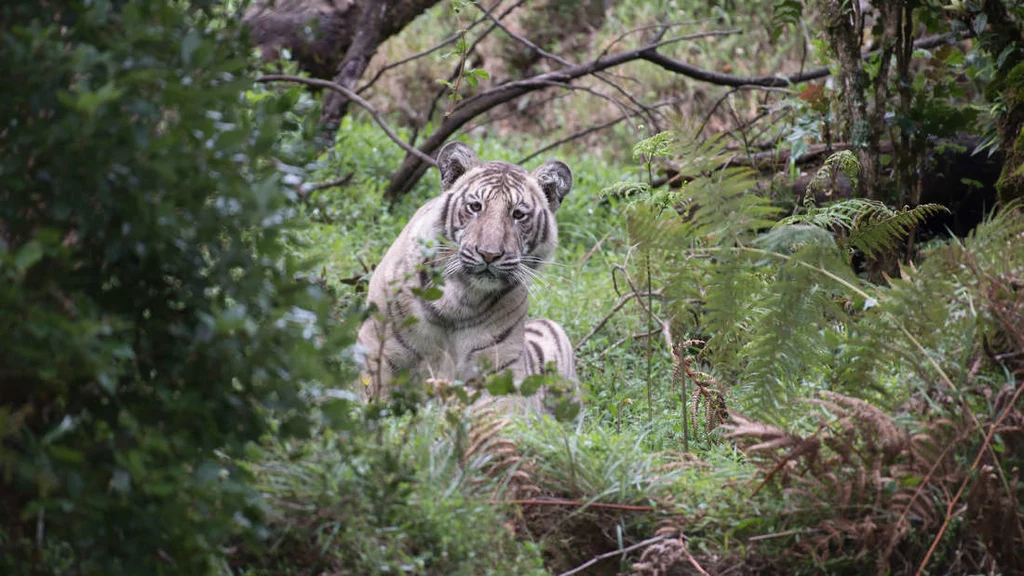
(526, 42)
(406, 60)
(519, 38)
(592, 129)
(367, 38)
(507, 115)
(455, 73)
(427, 51)
(358, 100)
(730, 93)
(412, 169)
(696, 73)
(310, 188)
(662, 28)
(612, 554)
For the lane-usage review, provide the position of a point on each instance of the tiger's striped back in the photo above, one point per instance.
(546, 342)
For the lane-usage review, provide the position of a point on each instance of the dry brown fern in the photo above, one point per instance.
(871, 490)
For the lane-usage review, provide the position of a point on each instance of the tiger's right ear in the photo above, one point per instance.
(453, 160)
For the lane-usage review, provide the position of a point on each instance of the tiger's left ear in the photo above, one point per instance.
(555, 179)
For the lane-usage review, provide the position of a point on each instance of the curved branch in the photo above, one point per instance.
(412, 168)
(349, 94)
(592, 129)
(425, 52)
(454, 74)
(720, 79)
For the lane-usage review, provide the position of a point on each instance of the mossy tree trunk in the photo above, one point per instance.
(1003, 39)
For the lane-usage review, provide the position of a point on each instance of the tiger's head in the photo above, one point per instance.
(500, 217)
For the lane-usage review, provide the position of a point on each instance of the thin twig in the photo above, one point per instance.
(661, 27)
(618, 306)
(577, 504)
(782, 534)
(623, 340)
(427, 51)
(718, 102)
(358, 100)
(693, 562)
(691, 71)
(612, 554)
(592, 129)
(310, 188)
(437, 96)
(967, 478)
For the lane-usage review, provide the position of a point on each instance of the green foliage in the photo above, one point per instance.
(842, 162)
(772, 299)
(866, 225)
(152, 321)
(409, 499)
(785, 13)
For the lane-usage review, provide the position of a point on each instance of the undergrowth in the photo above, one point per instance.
(852, 410)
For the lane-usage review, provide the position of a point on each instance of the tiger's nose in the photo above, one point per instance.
(489, 256)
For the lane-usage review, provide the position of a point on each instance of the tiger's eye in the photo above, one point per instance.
(474, 207)
(518, 214)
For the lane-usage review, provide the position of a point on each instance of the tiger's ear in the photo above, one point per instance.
(453, 160)
(555, 179)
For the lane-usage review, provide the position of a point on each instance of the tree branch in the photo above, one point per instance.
(364, 45)
(347, 93)
(613, 553)
(412, 168)
(720, 79)
(592, 129)
(427, 51)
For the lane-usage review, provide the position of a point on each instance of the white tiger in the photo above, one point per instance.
(487, 234)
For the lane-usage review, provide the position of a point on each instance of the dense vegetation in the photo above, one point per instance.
(798, 306)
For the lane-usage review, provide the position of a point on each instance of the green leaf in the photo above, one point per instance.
(659, 145)
(566, 410)
(429, 294)
(531, 384)
(27, 256)
(979, 23)
(501, 384)
(336, 412)
(189, 45)
(88, 102)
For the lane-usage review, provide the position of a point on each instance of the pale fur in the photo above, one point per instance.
(487, 258)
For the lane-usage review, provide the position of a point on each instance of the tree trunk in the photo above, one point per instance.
(843, 25)
(330, 39)
(1004, 39)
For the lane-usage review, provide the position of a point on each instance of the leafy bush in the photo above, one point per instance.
(152, 325)
(413, 498)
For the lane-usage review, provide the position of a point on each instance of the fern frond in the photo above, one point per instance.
(785, 13)
(842, 162)
(878, 231)
(658, 146)
(873, 227)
